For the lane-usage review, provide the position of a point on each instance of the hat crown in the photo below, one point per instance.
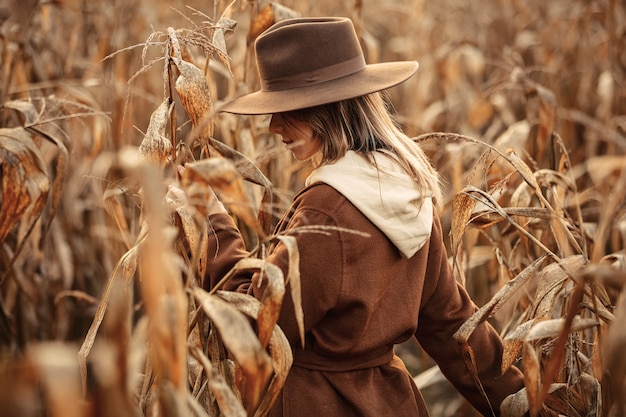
(306, 51)
(308, 62)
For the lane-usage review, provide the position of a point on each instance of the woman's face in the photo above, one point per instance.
(297, 135)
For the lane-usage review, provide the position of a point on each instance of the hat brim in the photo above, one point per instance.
(372, 78)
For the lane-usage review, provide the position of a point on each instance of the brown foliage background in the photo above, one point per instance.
(532, 97)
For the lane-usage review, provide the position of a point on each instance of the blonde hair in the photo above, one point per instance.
(364, 125)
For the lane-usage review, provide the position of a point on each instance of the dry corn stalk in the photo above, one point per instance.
(160, 273)
(193, 90)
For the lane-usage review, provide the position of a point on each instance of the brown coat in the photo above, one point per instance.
(360, 297)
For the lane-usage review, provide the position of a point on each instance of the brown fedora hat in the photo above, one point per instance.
(306, 62)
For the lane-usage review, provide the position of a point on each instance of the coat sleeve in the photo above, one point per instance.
(320, 274)
(445, 307)
(225, 248)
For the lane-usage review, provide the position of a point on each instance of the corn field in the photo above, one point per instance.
(521, 106)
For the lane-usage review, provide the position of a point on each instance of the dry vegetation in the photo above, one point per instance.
(100, 311)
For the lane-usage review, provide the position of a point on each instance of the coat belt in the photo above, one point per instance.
(309, 359)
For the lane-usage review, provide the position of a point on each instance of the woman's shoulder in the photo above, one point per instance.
(323, 198)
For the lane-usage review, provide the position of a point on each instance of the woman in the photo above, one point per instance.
(379, 274)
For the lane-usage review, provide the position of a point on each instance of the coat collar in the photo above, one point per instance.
(385, 194)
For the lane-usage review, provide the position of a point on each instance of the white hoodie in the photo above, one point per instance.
(385, 194)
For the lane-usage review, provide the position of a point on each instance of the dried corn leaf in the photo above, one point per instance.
(462, 335)
(221, 174)
(156, 146)
(559, 350)
(514, 137)
(488, 200)
(513, 343)
(610, 272)
(563, 401)
(113, 207)
(273, 294)
(563, 237)
(482, 314)
(582, 398)
(552, 281)
(222, 362)
(117, 326)
(228, 401)
(487, 218)
(271, 302)
(25, 182)
(26, 109)
(279, 349)
(282, 359)
(243, 164)
(462, 207)
(516, 405)
(591, 388)
(530, 212)
(250, 172)
(523, 169)
(224, 26)
(545, 329)
(556, 179)
(293, 278)
(521, 197)
(60, 171)
(615, 260)
(470, 361)
(532, 378)
(560, 230)
(194, 233)
(241, 342)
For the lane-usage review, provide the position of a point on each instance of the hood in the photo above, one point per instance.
(385, 194)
